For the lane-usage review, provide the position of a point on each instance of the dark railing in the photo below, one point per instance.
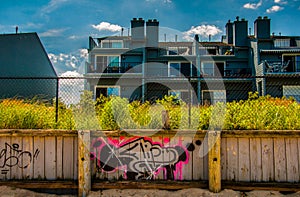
(227, 72)
(115, 67)
(281, 67)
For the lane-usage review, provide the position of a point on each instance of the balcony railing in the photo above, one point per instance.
(115, 67)
(227, 72)
(281, 66)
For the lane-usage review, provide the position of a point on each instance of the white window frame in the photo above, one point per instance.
(282, 43)
(179, 71)
(213, 101)
(112, 41)
(171, 68)
(119, 62)
(213, 68)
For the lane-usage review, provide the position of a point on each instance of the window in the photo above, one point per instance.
(174, 70)
(207, 68)
(102, 62)
(211, 97)
(179, 51)
(212, 69)
(281, 43)
(107, 91)
(112, 44)
(177, 69)
(292, 91)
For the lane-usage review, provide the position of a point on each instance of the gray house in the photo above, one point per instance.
(25, 69)
(139, 66)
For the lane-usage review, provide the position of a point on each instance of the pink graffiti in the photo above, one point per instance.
(140, 157)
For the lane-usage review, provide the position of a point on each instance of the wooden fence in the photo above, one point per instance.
(102, 160)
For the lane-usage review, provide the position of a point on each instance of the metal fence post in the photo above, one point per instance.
(214, 161)
(84, 167)
(56, 100)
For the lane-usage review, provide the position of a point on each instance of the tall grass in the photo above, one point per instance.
(26, 114)
(256, 113)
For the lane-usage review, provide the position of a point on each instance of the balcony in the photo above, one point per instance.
(283, 67)
(115, 68)
(227, 72)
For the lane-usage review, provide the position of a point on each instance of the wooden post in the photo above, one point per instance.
(165, 119)
(84, 173)
(214, 161)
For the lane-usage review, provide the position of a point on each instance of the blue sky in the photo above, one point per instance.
(65, 25)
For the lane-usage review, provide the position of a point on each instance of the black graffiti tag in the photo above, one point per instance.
(12, 155)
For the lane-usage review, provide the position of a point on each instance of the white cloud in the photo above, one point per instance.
(274, 8)
(83, 53)
(203, 31)
(163, 1)
(52, 32)
(53, 5)
(105, 26)
(70, 89)
(253, 6)
(280, 2)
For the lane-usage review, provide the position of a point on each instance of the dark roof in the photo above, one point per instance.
(23, 55)
(189, 44)
(296, 50)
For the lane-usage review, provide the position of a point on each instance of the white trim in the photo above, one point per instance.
(110, 55)
(111, 41)
(178, 62)
(213, 69)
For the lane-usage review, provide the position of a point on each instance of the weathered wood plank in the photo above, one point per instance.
(267, 159)
(50, 158)
(68, 158)
(5, 153)
(163, 185)
(292, 160)
(39, 160)
(244, 159)
(15, 171)
(27, 157)
(198, 159)
(114, 153)
(271, 186)
(279, 160)
(59, 157)
(75, 152)
(40, 184)
(205, 158)
(36, 132)
(94, 157)
(187, 166)
(255, 159)
(158, 172)
(232, 158)
(224, 161)
(261, 133)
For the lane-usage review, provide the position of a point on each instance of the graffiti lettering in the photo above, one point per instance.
(12, 155)
(140, 158)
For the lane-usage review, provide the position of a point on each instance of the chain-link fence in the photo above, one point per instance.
(51, 102)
